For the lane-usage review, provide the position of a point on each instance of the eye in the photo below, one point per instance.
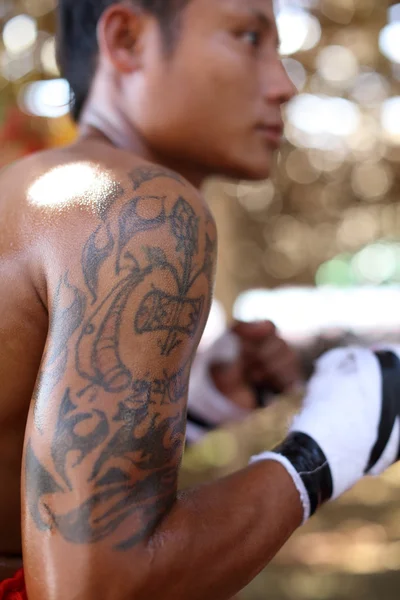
(252, 37)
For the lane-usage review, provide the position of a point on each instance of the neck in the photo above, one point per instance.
(116, 130)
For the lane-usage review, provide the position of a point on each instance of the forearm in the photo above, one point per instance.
(210, 544)
(218, 537)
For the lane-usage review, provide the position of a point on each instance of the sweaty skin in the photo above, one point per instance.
(108, 254)
(128, 280)
(70, 272)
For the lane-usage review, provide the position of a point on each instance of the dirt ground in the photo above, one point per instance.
(349, 551)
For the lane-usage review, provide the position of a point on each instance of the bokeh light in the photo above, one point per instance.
(19, 34)
(298, 30)
(337, 65)
(389, 41)
(319, 119)
(48, 57)
(390, 118)
(48, 98)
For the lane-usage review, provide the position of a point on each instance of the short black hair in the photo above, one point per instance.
(77, 39)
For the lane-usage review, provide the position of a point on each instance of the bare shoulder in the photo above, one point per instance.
(78, 204)
(87, 199)
(147, 186)
(65, 181)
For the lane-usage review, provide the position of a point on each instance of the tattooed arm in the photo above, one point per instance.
(102, 518)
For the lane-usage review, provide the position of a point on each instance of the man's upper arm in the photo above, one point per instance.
(106, 430)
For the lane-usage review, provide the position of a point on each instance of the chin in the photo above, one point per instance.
(254, 171)
(257, 172)
(253, 163)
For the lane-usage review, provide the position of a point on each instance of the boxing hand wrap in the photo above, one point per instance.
(349, 425)
(207, 407)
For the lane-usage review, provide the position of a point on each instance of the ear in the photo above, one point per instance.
(119, 34)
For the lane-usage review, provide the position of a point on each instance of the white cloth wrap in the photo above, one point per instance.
(342, 412)
(205, 400)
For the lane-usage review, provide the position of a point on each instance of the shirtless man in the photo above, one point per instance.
(107, 264)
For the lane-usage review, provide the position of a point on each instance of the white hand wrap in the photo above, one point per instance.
(350, 422)
(207, 407)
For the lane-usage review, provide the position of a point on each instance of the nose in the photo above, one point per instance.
(279, 88)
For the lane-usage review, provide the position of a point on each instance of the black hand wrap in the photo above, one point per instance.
(390, 368)
(310, 462)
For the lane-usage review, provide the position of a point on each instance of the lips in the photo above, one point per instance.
(273, 133)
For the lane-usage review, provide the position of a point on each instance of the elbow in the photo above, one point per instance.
(117, 575)
(130, 575)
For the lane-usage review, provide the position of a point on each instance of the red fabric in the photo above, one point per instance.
(14, 588)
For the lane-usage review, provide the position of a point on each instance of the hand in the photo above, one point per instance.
(265, 360)
(348, 427)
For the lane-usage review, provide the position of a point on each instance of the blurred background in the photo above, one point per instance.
(316, 249)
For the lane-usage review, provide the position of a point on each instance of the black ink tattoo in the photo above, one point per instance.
(66, 319)
(127, 454)
(98, 357)
(68, 314)
(107, 201)
(162, 312)
(144, 174)
(131, 224)
(67, 440)
(96, 251)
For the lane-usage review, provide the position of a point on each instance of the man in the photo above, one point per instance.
(107, 265)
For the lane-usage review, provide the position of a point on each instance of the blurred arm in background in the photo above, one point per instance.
(240, 372)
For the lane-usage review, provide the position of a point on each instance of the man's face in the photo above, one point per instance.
(215, 102)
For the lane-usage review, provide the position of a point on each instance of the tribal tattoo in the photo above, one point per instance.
(119, 432)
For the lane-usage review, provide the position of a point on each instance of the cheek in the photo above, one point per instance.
(236, 75)
(218, 97)
(203, 104)
(217, 82)
(172, 106)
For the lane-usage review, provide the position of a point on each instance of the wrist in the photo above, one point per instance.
(311, 464)
(307, 465)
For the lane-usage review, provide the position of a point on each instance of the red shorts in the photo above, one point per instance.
(14, 588)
